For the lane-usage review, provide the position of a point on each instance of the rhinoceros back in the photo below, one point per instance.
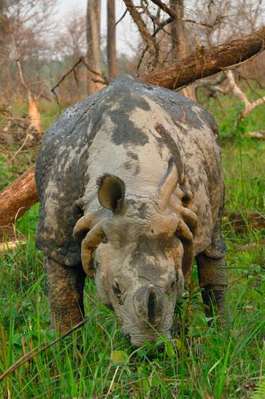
(60, 180)
(69, 161)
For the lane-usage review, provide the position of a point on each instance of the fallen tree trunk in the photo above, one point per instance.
(16, 199)
(21, 195)
(206, 62)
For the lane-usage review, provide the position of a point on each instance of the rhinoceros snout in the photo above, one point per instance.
(148, 304)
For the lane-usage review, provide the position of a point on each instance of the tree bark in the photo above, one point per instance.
(16, 199)
(21, 195)
(141, 25)
(178, 34)
(111, 40)
(179, 40)
(33, 111)
(93, 46)
(207, 62)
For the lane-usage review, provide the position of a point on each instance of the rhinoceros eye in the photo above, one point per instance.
(173, 284)
(117, 292)
(104, 239)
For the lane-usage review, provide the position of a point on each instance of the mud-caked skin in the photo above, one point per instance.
(131, 191)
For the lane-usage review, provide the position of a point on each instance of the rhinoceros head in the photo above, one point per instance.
(140, 253)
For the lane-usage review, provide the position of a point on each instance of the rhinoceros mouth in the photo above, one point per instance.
(140, 339)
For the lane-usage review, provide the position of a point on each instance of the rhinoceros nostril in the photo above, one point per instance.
(151, 306)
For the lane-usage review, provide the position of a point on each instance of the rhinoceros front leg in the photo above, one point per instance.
(213, 282)
(212, 273)
(65, 286)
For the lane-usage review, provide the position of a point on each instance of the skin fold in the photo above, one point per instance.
(131, 191)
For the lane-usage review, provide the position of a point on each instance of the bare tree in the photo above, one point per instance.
(179, 39)
(93, 45)
(142, 26)
(178, 32)
(111, 39)
(25, 27)
(71, 42)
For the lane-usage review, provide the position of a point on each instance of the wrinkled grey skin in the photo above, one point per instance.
(131, 130)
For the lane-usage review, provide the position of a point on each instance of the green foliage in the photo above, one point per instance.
(97, 361)
(227, 111)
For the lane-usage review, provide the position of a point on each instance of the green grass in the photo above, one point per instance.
(200, 363)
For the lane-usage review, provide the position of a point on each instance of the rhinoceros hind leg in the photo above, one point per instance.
(65, 286)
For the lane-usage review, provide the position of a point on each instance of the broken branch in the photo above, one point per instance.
(81, 60)
(207, 62)
(16, 199)
(165, 8)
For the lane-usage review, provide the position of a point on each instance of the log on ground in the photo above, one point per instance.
(206, 62)
(16, 199)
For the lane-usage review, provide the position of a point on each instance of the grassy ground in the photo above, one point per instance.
(202, 363)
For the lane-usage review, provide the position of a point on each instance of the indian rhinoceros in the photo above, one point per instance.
(131, 190)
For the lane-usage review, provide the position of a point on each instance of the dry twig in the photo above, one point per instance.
(148, 39)
(238, 92)
(121, 18)
(36, 351)
(81, 60)
(251, 246)
(165, 8)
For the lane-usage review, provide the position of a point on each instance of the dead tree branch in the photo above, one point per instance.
(81, 60)
(16, 199)
(208, 62)
(121, 18)
(33, 111)
(64, 76)
(238, 92)
(165, 8)
(157, 30)
(147, 38)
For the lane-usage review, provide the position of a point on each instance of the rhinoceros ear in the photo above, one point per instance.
(111, 192)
